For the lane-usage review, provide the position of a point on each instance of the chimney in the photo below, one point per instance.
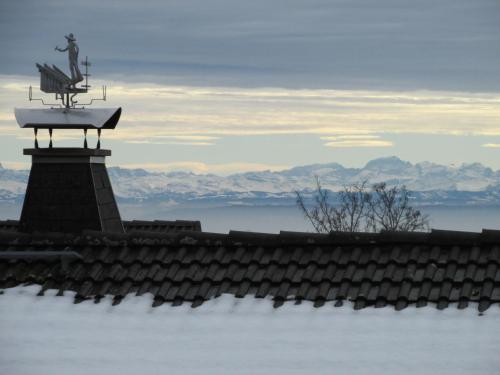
(69, 191)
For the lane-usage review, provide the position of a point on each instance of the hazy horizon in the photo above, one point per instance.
(203, 169)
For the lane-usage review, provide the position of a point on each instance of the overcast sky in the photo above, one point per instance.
(205, 84)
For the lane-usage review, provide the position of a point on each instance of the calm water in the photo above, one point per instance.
(273, 219)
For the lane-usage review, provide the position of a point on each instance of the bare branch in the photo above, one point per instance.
(380, 208)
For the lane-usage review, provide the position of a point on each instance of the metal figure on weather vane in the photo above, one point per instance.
(54, 80)
(72, 48)
(68, 113)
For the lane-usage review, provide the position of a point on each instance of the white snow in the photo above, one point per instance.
(51, 335)
(64, 118)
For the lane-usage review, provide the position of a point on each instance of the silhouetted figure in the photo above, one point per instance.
(72, 48)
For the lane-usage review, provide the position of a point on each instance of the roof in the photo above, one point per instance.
(63, 118)
(392, 268)
(134, 225)
(162, 226)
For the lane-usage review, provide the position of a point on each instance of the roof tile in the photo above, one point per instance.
(369, 269)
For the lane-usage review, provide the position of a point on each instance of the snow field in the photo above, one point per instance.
(51, 335)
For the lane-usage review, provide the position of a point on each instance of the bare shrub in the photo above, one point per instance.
(361, 208)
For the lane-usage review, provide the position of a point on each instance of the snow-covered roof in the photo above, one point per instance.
(62, 118)
(50, 335)
(396, 269)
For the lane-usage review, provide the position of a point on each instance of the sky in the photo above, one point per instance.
(229, 86)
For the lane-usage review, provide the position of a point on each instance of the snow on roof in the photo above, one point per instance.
(63, 118)
(369, 269)
(227, 335)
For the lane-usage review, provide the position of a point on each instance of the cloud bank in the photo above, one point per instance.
(449, 45)
(200, 116)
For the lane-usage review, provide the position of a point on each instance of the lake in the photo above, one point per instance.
(272, 219)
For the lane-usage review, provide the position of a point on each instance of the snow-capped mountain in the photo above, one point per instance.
(431, 182)
(12, 183)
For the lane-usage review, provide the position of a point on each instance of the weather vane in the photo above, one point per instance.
(68, 113)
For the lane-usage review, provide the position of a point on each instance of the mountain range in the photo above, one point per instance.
(430, 183)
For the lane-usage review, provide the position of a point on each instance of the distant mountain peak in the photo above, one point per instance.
(261, 185)
(388, 163)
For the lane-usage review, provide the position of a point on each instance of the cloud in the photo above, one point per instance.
(15, 165)
(187, 137)
(202, 115)
(384, 44)
(350, 137)
(9, 128)
(491, 145)
(355, 141)
(183, 140)
(359, 143)
(171, 143)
